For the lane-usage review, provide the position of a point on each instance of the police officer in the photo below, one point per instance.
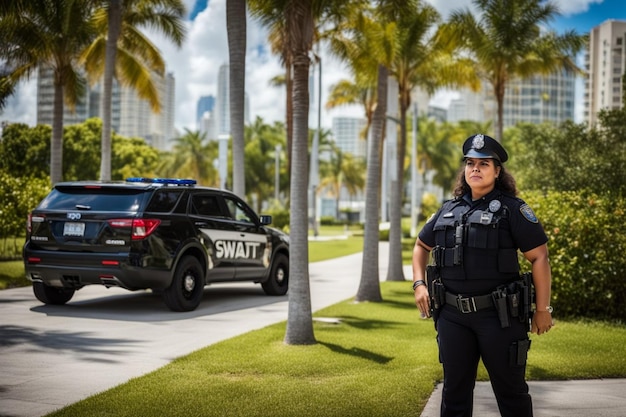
(473, 240)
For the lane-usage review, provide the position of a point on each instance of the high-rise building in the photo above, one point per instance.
(605, 62)
(205, 104)
(538, 99)
(222, 103)
(348, 133)
(221, 111)
(45, 102)
(130, 115)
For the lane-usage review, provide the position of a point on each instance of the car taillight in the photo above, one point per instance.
(140, 228)
(33, 219)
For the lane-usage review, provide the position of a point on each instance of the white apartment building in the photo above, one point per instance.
(130, 115)
(348, 133)
(605, 62)
(538, 99)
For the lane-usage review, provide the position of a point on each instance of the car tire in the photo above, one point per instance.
(278, 281)
(52, 295)
(187, 287)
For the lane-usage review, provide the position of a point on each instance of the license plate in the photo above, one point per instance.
(73, 229)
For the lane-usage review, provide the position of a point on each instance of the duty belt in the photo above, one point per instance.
(469, 304)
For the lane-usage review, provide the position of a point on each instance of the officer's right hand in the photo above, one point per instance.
(422, 300)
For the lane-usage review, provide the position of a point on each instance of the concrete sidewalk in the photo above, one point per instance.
(589, 398)
(52, 356)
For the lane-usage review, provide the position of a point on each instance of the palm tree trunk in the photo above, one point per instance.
(369, 286)
(395, 272)
(56, 144)
(115, 22)
(289, 111)
(499, 91)
(236, 27)
(300, 320)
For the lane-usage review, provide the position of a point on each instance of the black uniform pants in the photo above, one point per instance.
(466, 338)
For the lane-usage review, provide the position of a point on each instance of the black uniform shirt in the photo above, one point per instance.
(519, 226)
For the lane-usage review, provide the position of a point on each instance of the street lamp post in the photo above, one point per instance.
(314, 165)
(223, 158)
(414, 207)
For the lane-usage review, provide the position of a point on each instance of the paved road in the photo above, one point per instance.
(52, 356)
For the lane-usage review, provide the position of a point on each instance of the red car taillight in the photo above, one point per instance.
(140, 228)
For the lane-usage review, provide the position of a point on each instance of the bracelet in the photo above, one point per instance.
(418, 283)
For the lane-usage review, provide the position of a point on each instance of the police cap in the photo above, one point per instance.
(483, 146)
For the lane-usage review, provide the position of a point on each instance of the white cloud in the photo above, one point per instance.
(571, 7)
(196, 64)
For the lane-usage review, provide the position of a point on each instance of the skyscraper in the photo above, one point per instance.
(222, 103)
(605, 63)
(130, 115)
(205, 104)
(538, 99)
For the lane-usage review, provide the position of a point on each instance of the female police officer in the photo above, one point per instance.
(473, 240)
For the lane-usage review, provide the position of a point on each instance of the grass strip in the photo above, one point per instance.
(381, 359)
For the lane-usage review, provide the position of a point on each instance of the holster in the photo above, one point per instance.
(436, 291)
(514, 300)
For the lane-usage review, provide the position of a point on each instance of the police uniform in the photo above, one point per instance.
(475, 247)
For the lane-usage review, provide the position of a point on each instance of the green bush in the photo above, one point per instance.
(586, 245)
(280, 218)
(19, 197)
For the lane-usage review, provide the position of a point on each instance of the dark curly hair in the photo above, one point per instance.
(505, 182)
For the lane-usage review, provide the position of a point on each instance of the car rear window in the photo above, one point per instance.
(163, 201)
(95, 199)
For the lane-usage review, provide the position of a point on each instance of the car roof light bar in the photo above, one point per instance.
(167, 181)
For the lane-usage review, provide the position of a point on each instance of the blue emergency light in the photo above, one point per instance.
(167, 181)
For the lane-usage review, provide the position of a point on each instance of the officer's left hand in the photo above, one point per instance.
(541, 322)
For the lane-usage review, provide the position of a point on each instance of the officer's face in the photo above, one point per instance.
(480, 174)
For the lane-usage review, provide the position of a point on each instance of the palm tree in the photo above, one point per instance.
(348, 92)
(299, 18)
(421, 61)
(367, 41)
(343, 170)
(192, 157)
(123, 52)
(48, 34)
(236, 27)
(509, 41)
(269, 12)
(260, 161)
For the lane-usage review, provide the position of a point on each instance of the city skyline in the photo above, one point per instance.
(196, 65)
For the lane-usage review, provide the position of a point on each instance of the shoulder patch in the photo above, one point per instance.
(528, 213)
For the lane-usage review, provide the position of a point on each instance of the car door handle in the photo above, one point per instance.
(201, 224)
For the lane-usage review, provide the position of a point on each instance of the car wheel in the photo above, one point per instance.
(185, 292)
(278, 281)
(52, 295)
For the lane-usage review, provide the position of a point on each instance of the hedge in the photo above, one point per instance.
(586, 246)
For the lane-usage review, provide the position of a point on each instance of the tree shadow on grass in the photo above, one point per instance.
(358, 352)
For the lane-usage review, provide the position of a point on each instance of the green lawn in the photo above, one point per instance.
(381, 359)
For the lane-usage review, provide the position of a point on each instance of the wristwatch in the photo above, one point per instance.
(549, 309)
(418, 283)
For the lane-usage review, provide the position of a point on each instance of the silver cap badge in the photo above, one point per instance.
(478, 142)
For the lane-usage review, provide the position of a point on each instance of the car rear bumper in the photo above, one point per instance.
(75, 270)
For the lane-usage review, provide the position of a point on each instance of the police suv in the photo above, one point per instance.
(168, 235)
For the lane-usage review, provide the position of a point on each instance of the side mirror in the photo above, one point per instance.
(265, 220)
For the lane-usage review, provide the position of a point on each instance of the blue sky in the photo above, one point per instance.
(596, 14)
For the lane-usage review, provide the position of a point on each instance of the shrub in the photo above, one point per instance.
(19, 196)
(586, 246)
